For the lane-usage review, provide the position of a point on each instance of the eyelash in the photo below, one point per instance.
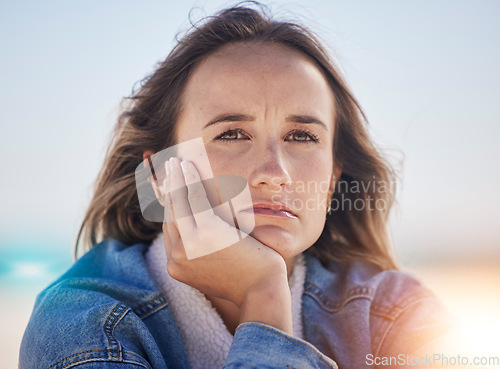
(312, 137)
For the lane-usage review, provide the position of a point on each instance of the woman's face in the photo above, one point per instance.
(265, 112)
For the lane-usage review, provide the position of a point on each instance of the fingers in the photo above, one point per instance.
(200, 206)
(177, 190)
(170, 232)
(193, 216)
(173, 246)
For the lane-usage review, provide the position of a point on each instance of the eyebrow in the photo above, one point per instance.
(304, 119)
(230, 118)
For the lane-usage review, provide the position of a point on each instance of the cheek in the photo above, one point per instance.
(315, 161)
(311, 196)
(315, 205)
(223, 164)
(313, 178)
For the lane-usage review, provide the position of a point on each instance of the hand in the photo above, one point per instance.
(226, 273)
(248, 273)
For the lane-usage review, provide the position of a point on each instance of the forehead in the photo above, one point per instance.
(254, 57)
(250, 76)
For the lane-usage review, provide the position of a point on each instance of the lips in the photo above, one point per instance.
(267, 208)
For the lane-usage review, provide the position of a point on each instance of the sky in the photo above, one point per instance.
(425, 73)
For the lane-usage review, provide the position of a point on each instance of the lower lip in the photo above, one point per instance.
(273, 213)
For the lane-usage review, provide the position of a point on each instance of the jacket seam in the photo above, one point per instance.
(291, 340)
(151, 306)
(104, 358)
(392, 321)
(392, 313)
(69, 357)
(113, 319)
(332, 306)
(89, 360)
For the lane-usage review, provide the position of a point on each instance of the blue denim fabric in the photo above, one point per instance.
(108, 312)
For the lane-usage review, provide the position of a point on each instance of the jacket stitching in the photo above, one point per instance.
(69, 357)
(393, 313)
(398, 313)
(151, 306)
(130, 361)
(106, 328)
(339, 306)
(160, 299)
(109, 326)
(90, 359)
(290, 339)
(332, 306)
(134, 354)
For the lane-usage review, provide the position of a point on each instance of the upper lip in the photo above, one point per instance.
(271, 205)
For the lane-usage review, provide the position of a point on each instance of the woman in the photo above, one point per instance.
(302, 277)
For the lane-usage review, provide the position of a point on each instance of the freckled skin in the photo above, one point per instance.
(269, 82)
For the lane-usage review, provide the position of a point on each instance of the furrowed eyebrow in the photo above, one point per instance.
(305, 119)
(230, 118)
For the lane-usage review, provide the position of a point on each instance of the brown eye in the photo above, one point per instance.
(232, 135)
(302, 137)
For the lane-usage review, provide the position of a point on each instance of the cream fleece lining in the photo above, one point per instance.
(204, 335)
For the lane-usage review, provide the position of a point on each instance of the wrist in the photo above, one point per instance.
(269, 302)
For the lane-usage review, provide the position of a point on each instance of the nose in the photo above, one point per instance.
(270, 169)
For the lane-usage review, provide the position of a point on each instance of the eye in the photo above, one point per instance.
(302, 136)
(232, 135)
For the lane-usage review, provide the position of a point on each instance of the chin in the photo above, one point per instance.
(280, 240)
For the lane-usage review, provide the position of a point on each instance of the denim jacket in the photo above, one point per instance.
(107, 311)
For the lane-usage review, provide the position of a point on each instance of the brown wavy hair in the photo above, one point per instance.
(148, 121)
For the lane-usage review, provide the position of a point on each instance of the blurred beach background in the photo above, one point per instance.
(425, 72)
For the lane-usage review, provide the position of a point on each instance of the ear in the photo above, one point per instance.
(145, 156)
(157, 187)
(337, 172)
